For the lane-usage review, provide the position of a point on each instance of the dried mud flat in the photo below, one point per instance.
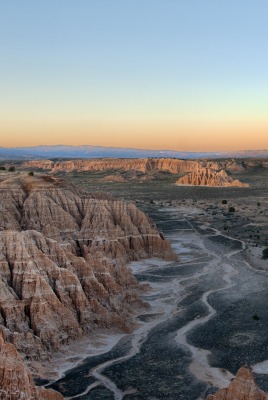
(208, 315)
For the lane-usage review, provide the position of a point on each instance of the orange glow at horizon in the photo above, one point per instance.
(159, 135)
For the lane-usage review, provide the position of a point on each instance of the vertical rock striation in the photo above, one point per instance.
(63, 257)
(15, 381)
(145, 165)
(209, 177)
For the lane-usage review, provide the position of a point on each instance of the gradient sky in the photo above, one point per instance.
(160, 74)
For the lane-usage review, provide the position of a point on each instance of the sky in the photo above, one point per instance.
(157, 74)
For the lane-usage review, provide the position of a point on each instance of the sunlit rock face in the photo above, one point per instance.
(63, 257)
(144, 165)
(209, 177)
(15, 380)
(125, 164)
(242, 387)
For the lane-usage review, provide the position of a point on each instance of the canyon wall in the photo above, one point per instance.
(63, 256)
(145, 165)
(15, 380)
(123, 164)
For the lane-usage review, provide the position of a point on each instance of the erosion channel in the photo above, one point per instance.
(208, 317)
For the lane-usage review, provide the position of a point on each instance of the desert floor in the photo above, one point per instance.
(208, 317)
(208, 312)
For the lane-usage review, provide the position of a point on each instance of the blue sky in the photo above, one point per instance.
(112, 65)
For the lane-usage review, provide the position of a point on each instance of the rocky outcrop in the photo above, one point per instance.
(235, 166)
(63, 257)
(242, 387)
(144, 165)
(63, 273)
(113, 178)
(15, 380)
(209, 177)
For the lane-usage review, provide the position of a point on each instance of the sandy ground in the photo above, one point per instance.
(73, 354)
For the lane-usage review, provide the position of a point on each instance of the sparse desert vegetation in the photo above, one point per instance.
(265, 253)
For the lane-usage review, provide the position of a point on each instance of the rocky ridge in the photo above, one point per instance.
(145, 165)
(242, 387)
(141, 164)
(63, 257)
(113, 178)
(209, 177)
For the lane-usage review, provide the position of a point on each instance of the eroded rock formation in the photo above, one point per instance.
(113, 178)
(209, 177)
(15, 380)
(144, 165)
(63, 257)
(242, 387)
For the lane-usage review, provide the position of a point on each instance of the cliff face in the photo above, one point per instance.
(15, 381)
(63, 257)
(145, 165)
(209, 177)
(141, 164)
(243, 387)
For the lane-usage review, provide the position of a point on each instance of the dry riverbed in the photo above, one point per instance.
(208, 317)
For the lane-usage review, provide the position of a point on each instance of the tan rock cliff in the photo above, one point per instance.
(63, 273)
(63, 257)
(141, 164)
(209, 177)
(15, 380)
(145, 165)
(242, 387)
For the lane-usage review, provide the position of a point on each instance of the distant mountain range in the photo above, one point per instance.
(62, 151)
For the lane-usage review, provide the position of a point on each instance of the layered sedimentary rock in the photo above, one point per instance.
(209, 177)
(234, 166)
(142, 164)
(63, 257)
(242, 387)
(15, 380)
(145, 165)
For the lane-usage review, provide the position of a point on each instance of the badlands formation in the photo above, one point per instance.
(199, 173)
(243, 387)
(15, 381)
(144, 165)
(63, 269)
(209, 177)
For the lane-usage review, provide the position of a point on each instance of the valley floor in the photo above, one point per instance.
(208, 317)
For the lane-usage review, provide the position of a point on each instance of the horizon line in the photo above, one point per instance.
(132, 148)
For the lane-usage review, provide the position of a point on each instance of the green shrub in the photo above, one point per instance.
(231, 209)
(224, 202)
(31, 173)
(255, 317)
(12, 169)
(2, 168)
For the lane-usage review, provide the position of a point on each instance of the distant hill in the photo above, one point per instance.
(62, 151)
